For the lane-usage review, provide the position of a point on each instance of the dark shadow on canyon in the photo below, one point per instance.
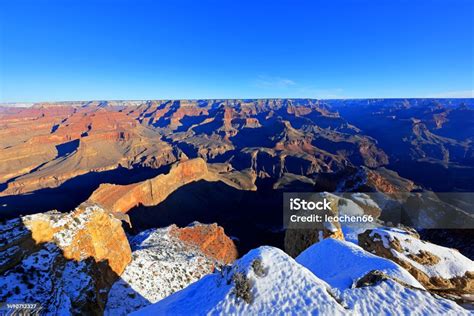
(254, 218)
(72, 192)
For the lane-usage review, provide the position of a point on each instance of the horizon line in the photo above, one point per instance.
(262, 98)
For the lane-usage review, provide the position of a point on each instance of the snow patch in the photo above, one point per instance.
(286, 288)
(451, 264)
(341, 264)
(161, 265)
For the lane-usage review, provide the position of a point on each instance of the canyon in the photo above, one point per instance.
(149, 203)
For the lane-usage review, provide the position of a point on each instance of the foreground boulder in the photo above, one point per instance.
(267, 281)
(370, 285)
(264, 281)
(439, 269)
(298, 239)
(166, 260)
(342, 264)
(65, 262)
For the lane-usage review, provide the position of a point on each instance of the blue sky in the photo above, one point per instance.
(136, 49)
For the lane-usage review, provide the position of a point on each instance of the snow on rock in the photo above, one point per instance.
(350, 208)
(65, 262)
(166, 260)
(351, 232)
(87, 231)
(389, 297)
(342, 264)
(265, 281)
(365, 200)
(210, 239)
(436, 267)
(360, 202)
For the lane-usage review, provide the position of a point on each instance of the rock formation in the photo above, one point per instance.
(121, 198)
(266, 280)
(65, 262)
(71, 139)
(165, 261)
(68, 142)
(441, 270)
(209, 239)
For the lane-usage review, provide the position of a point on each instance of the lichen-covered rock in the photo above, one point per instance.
(65, 262)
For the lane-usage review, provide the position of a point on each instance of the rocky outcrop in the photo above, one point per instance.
(439, 269)
(166, 260)
(264, 280)
(268, 281)
(210, 239)
(121, 198)
(379, 180)
(297, 240)
(65, 262)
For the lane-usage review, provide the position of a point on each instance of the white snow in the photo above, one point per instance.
(161, 265)
(364, 199)
(341, 264)
(41, 277)
(391, 298)
(286, 288)
(72, 223)
(451, 264)
(349, 207)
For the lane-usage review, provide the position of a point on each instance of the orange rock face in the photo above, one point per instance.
(210, 239)
(121, 198)
(384, 185)
(68, 262)
(85, 233)
(44, 147)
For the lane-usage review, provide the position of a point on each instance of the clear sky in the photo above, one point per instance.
(137, 49)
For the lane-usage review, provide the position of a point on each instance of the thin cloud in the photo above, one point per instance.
(273, 82)
(454, 94)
